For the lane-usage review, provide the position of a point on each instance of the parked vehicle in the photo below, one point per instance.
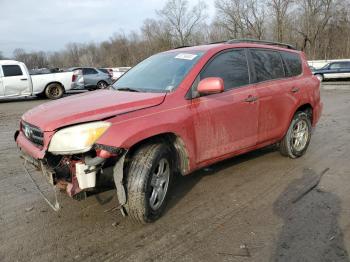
(119, 71)
(15, 81)
(107, 71)
(173, 113)
(92, 78)
(334, 70)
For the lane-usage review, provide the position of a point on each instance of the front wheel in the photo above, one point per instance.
(297, 139)
(320, 77)
(148, 181)
(54, 91)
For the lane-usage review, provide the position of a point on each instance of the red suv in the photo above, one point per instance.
(175, 112)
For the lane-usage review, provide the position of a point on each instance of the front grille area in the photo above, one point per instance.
(33, 133)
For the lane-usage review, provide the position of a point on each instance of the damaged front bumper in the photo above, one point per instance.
(46, 173)
(77, 175)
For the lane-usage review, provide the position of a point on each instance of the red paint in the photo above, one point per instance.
(211, 85)
(212, 127)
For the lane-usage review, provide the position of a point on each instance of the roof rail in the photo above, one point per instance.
(265, 42)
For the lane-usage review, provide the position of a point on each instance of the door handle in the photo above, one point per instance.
(295, 90)
(24, 79)
(250, 99)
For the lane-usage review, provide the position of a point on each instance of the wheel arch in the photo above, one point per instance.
(177, 146)
(55, 82)
(305, 107)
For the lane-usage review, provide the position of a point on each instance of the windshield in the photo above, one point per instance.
(159, 73)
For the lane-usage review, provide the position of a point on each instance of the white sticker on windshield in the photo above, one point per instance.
(185, 56)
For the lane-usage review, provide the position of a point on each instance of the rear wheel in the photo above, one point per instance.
(54, 91)
(101, 85)
(148, 181)
(297, 139)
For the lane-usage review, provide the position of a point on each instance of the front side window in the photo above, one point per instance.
(159, 73)
(231, 66)
(268, 65)
(335, 66)
(12, 70)
(292, 63)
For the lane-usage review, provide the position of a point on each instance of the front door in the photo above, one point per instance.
(226, 122)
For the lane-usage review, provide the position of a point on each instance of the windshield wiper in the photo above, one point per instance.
(127, 89)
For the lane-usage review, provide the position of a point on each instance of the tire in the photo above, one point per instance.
(320, 77)
(147, 184)
(295, 143)
(54, 91)
(101, 85)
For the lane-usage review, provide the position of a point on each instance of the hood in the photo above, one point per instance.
(89, 106)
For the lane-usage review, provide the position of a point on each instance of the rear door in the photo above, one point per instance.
(278, 92)
(226, 122)
(345, 69)
(15, 80)
(90, 77)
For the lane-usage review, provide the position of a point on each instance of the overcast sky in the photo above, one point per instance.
(49, 25)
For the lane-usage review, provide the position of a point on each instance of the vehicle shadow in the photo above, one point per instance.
(311, 231)
(183, 184)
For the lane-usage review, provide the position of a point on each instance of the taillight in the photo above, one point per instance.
(74, 77)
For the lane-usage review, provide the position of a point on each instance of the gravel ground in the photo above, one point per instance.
(256, 207)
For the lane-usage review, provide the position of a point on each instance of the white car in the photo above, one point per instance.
(119, 71)
(15, 81)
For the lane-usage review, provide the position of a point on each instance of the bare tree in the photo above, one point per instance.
(279, 12)
(242, 18)
(157, 35)
(314, 17)
(182, 21)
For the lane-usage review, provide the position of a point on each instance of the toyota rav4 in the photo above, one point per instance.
(173, 113)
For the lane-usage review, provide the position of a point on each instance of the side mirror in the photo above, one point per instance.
(210, 85)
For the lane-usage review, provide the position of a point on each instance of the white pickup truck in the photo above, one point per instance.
(15, 81)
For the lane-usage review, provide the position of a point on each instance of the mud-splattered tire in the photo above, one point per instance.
(54, 91)
(148, 180)
(297, 139)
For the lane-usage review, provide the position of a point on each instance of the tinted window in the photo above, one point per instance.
(340, 65)
(89, 71)
(335, 66)
(292, 63)
(11, 70)
(268, 65)
(231, 66)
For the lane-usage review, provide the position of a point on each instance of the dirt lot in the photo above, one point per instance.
(256, 207)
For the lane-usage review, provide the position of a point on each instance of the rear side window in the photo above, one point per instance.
(12, 70)
(268, 65)
(292, 63)
(231, 66)
(89, 71)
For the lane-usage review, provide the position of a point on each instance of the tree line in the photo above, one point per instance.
(320, 28)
